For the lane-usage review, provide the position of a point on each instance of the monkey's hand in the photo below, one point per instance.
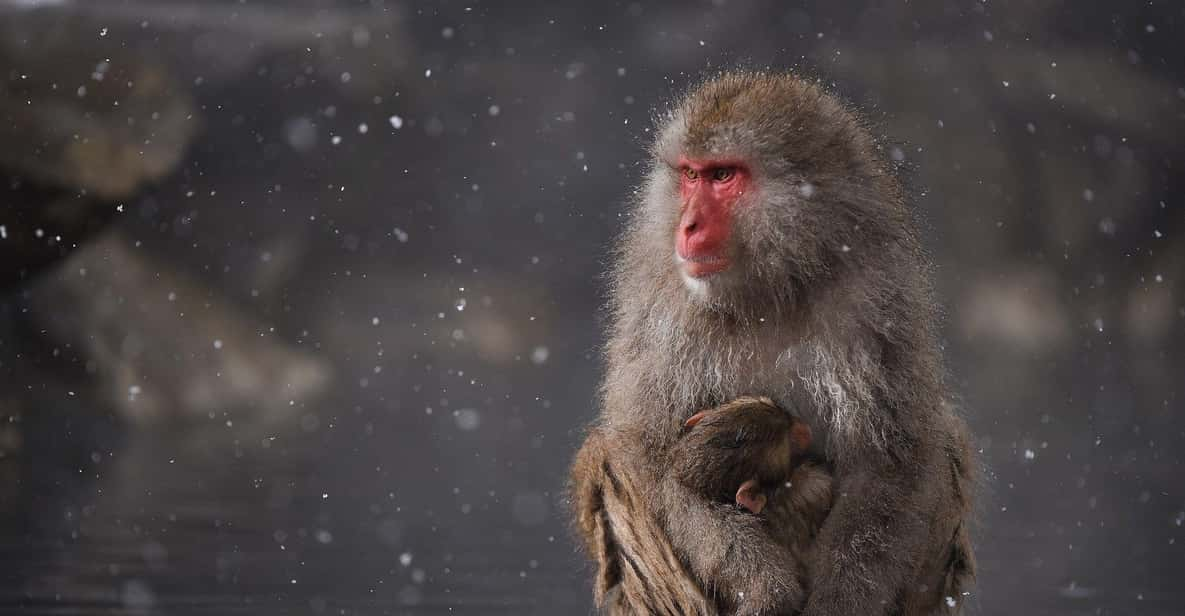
(739, 451)
(585, 491)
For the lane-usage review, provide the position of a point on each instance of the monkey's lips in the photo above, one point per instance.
(702, 266)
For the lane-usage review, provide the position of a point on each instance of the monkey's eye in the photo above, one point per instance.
(722, 174)
(690, 174)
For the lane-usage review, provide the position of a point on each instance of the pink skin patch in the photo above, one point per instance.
(750, 496)
(709, 190)
(695, 419)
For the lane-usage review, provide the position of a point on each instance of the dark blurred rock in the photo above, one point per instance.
(84, 131)
(91, 123)
(161, 346)
(39, 225)
(1037, 164)
(356, 47)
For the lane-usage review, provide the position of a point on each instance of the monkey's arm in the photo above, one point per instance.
(585, 490)
(875, 539)
(638, 572)
(895, 541)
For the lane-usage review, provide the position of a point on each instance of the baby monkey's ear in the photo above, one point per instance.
(800, 437)
(695, 419)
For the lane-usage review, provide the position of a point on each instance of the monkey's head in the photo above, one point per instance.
(762, 186)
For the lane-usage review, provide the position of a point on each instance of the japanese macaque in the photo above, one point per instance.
(771, 254)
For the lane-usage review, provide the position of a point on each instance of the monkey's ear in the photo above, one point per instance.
(694, 419)
(800, 436)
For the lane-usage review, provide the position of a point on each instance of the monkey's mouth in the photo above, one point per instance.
(702, 266)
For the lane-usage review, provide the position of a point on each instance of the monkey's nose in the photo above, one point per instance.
(691, 222)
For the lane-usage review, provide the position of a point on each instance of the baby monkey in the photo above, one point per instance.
(742, 451)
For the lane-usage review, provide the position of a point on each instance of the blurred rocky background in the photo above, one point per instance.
(299, 303)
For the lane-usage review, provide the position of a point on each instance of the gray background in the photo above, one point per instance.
(297, 376)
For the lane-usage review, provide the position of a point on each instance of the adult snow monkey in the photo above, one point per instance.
(770, 261)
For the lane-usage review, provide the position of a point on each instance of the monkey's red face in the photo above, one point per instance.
(709, 191)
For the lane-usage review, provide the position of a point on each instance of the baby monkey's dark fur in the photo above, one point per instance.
(746, 440)
(825, 310)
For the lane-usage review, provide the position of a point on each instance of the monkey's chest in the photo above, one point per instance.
(777, 373)
(803, 406)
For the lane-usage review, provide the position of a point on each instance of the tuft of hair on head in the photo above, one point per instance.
(776, 117)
